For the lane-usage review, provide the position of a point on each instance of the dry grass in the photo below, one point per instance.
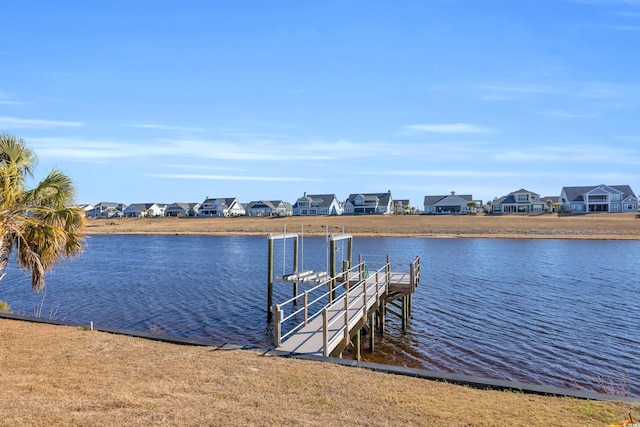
(597, 226)
(57, 375)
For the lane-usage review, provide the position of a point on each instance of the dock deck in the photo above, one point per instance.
(331, 329)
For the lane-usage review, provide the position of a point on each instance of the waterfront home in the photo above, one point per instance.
(521, 201)
(451, 204)
(369, 203)
(106, 210)
(229, 206)
(268, 208)
(317, 204)
(552, 203)
(138, 210)
(598, 198)
(182, 210)
(401, 206)
(86, 209)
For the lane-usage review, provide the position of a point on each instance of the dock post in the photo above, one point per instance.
(372, 330)
(357, 345)
(332, 267)
(270, 282)
(295, 270)
(405, 309)
(383, 314)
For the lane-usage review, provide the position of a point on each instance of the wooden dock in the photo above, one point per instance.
(349, 301)
(367, 298)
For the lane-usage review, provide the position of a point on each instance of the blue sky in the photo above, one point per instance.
(165, 101)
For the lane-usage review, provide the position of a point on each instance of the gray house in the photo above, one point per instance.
(451, 204)
(369, 203)
(182, 209)
(317, 204)
(521, 201)
(599, 198)
(269, 208)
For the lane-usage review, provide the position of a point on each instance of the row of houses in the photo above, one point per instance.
(588, 199)
(307, 205)
(578, 200)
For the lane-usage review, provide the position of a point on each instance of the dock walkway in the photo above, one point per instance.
(336, 325)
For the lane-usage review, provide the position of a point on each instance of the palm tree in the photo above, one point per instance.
(38, 223)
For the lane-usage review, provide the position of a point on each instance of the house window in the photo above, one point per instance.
(523, 197)
(576, 207)
(616, 197)
(304, 212)
(631, 207)
(615, 207)
(313, 212)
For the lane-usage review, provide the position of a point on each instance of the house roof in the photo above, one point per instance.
(322, 200)
(432, 200)
(182, 206)
(381, 198)
(260, 204)
(142, 206)
(511, 198)
(576, 194)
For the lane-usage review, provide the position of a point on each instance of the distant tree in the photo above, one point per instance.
(39, 224)
(489, 207)
(471, 204)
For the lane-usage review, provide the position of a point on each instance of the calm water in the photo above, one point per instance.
(554, 312)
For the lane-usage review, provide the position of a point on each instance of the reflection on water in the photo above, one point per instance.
(553, 312)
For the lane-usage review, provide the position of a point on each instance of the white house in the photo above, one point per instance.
(317, 204)
(369, 203)
(106, 210)
(137, 210)
(599, 198)
(229, 206)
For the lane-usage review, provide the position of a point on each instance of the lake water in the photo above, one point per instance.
(562, 313)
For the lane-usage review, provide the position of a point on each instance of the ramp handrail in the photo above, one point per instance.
(361, 311)
(279, 309)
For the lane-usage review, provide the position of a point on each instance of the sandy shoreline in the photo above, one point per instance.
(598, 226)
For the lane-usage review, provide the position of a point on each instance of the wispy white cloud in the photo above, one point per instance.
(80, 150)
(169, 127)
(582, 89)
(6, 100)
(16, 122)
(562, 114)
(233, 177)
(577, 154)
(177, 149)
(449, 173)
(449, 128)
(201, 167)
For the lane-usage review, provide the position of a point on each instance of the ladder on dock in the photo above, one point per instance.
(326, 329)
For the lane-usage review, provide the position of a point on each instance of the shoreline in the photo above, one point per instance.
(592, 227)
(65, 375)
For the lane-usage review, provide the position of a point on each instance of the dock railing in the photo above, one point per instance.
(308, 308)
(354, 309)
